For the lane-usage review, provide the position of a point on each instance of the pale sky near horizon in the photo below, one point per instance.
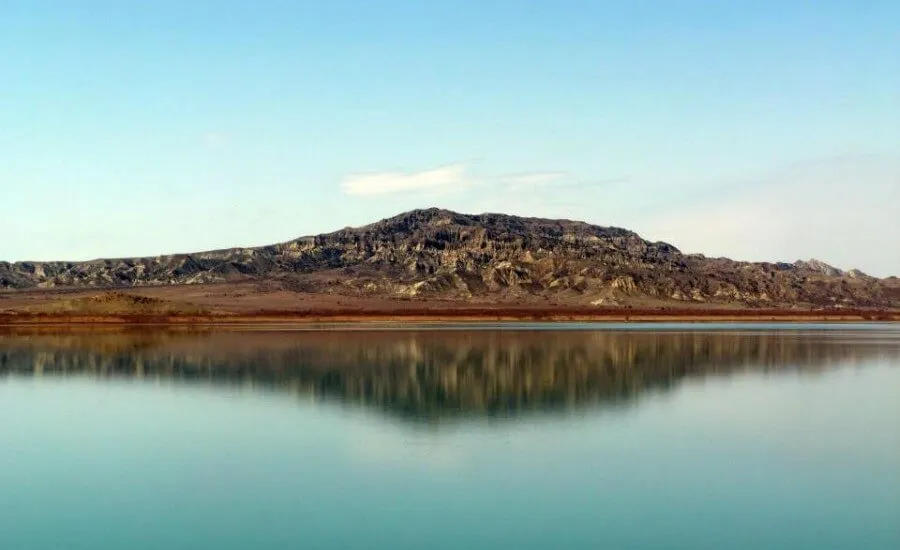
(758, 130)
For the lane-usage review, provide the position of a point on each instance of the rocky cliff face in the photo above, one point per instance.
(442, 254)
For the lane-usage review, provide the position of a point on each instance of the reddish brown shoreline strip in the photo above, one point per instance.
(456, 315)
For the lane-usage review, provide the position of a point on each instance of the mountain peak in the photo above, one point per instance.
(818, 266)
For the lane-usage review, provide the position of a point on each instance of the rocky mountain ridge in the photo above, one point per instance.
(442, 254)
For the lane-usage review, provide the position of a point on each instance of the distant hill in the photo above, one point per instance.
(445, 255)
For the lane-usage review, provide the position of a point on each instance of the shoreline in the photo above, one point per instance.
(246, 303)
(458, 316)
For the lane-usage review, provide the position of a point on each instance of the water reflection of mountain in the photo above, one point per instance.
(430, 375)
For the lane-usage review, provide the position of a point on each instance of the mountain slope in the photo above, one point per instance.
(447, 255)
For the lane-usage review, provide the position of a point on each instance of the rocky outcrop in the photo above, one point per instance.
(443, 254)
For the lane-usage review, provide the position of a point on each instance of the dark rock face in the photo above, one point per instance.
(442, 254)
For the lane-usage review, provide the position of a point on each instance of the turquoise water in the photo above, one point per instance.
(638, 437)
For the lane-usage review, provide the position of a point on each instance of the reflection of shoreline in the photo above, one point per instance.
(224, 315)
(429, 375)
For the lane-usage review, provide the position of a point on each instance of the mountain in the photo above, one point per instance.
(445, 255)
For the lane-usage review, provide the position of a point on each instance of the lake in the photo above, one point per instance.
(568, 436)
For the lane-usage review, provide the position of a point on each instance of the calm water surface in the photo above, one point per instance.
(595, 436)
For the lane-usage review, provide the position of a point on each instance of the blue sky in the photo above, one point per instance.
(753, 129)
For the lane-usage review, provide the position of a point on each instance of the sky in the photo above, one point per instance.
(758, 130)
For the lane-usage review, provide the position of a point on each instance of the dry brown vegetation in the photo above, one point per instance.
(233, 304)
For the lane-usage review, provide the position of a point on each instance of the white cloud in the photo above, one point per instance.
(444, 178)
(443, 181)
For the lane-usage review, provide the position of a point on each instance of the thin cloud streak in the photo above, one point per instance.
(444, 178)
(453, 178)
